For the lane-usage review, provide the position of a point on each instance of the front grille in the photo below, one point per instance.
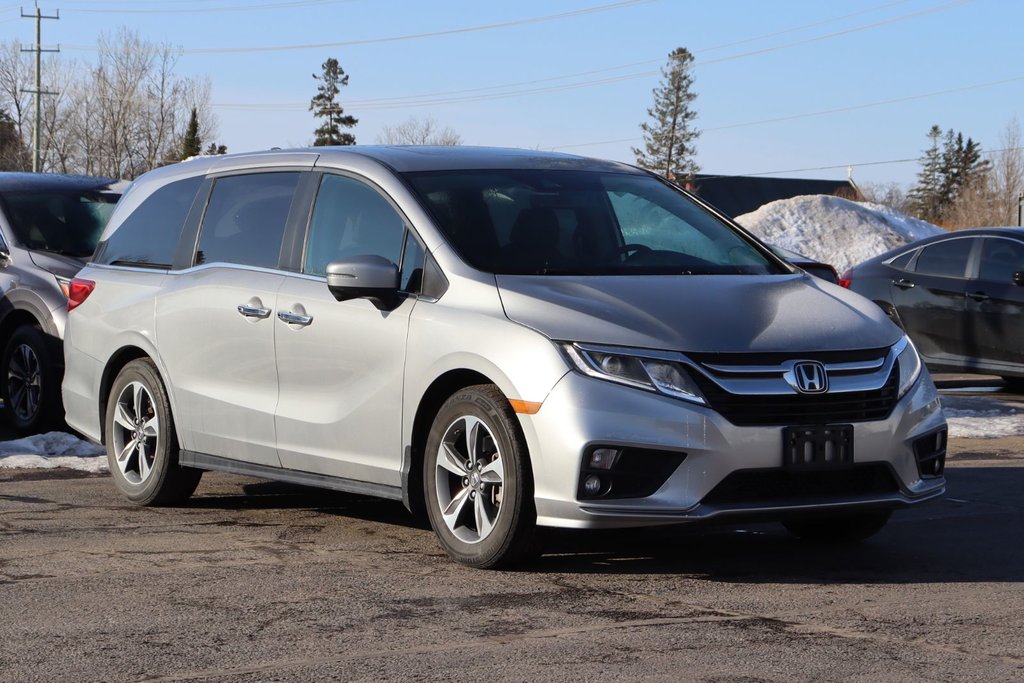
(799, 409)
(749, 389)
(776, 486)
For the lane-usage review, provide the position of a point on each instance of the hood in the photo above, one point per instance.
(698, 313)
(58, 264)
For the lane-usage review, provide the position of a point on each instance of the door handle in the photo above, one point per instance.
(979, 296)
(903, 283)
(294, 318)
(253, 311)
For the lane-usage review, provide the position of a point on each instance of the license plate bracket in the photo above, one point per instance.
(818, 447)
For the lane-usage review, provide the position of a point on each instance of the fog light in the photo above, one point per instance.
(592, 485)
(604, 458)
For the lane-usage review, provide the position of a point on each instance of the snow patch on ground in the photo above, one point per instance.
(53, 449)
(834, 230)
(984, 424)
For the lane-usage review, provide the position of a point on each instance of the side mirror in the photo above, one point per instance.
(5, 257)
(364, 277)
(1018, 278)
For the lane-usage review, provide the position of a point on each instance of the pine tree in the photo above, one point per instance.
(325, 105)
(925, 197)
(14, 155)
(191, 143)
(669, 138)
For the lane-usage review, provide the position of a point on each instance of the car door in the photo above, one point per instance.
(215, 322)
(930, 300)
(995, 303)
(341, 363)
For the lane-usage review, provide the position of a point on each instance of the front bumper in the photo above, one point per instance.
(582, 412)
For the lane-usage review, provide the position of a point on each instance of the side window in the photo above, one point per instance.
(1000, 259)
(149, 236)
(351, 219)
(903, 261)
(412, 264)
(245, 219)
(948, 259)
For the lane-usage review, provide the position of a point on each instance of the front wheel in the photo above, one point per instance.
(142, 445)
(477, 481)
(839, 528)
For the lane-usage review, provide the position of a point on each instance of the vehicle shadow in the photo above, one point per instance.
(970, 536)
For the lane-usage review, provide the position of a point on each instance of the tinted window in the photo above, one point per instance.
(903, 261)
(245, 219)
(64, 222)
(1000, 259)
(351, 219)
(149, 235)
(947, 258)
(555, 222)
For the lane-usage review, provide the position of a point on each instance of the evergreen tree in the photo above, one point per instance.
(669, 138)
(191, 143)
(925, 198)
(325, 105)
(14, 155)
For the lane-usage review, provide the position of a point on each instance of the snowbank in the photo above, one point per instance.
(834, 230)
(53, 449)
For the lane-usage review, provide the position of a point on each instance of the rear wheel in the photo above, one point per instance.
(839, 528)
(477, 481)
(142, 444)
(31, 382)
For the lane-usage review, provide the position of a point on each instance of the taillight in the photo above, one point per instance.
(846, 278)
(79, 290)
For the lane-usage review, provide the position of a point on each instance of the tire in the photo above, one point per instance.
(31, 383)
(492, 522)
(1014, 384)
(838, 528)
(145, 470)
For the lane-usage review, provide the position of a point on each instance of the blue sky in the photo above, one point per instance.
(756, 61)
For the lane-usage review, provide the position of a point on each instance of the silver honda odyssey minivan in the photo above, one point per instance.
(505, 340)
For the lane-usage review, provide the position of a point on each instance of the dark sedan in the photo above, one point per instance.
(959, 296)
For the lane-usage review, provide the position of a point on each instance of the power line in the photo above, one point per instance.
(412, 36)
(434, 99)
(823, 112)
(226, 8)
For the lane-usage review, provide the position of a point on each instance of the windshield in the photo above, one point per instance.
(553, 222)
(63, 222)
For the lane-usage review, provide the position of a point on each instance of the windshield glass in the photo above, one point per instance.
(63, 222)
(552, 222)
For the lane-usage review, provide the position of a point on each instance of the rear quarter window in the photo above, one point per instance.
(149, 236)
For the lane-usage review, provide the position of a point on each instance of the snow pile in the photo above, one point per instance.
(834, 230)
(53, 449)
(984, 424)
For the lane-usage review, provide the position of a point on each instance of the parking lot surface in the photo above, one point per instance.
(258, 581)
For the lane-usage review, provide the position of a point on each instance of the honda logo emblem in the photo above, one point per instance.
(810, 377)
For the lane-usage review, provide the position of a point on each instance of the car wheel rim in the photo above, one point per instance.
(470, 478)
(135, 432)
(24, 384)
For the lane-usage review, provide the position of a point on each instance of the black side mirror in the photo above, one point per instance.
(365, 277)
(1018, 278)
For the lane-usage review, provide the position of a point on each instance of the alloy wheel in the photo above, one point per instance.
(135, 431)
(470, 476)
(24, 382)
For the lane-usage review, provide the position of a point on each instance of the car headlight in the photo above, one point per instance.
(910, 366)
(635, 369)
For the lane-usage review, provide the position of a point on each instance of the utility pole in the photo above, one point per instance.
(1020, 210)
(38, 92)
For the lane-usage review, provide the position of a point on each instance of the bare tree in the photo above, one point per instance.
(418, 132)
(893, 195)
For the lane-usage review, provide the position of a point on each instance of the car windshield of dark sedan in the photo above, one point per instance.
(62, 222)
(561, 222)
